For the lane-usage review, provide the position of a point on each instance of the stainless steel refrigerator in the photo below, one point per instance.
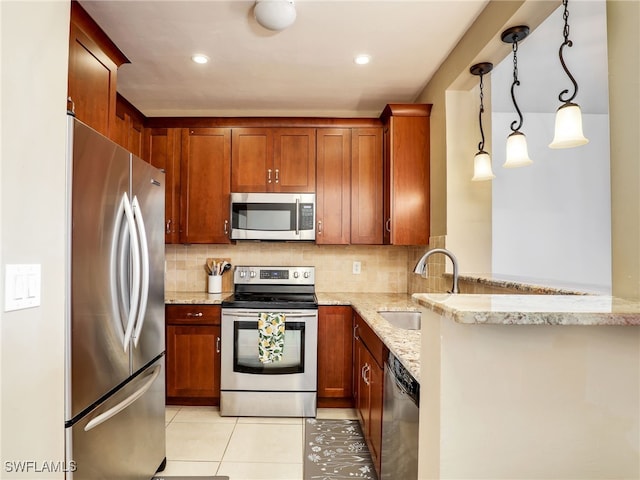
(115, 379)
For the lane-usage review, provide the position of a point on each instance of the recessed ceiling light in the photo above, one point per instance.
(199, 58)
(362, 59)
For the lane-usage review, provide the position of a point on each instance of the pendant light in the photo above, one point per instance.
(482, 161)
(568, 130)
(517, 154)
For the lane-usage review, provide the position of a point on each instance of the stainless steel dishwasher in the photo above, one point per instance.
(399, 453)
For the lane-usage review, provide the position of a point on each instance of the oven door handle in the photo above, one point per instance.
(287, 315)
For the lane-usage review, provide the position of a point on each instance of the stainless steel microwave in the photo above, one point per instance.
(273, 216)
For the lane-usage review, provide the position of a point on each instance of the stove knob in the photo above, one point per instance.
(306, 274)
(252, 274)
(296, 274)
(242, 273)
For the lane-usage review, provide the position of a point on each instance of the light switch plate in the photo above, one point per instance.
(22, 286)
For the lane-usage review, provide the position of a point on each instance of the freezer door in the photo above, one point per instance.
(96, 358)
(124, 437)
(148, 203)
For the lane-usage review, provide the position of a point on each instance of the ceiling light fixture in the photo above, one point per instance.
(200, 58)
(482, 161)
(568, 130)
(517, 154)
(362, 59)
(275, 14)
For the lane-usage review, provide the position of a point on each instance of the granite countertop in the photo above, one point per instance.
(580, 310)
(194, 298)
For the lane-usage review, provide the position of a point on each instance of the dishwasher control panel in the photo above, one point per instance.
(404, 379)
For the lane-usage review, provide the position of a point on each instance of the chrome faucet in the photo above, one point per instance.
(421, 266)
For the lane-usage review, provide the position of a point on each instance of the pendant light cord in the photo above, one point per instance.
(566, 43)
(513, 86)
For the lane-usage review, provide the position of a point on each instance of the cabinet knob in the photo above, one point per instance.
(269, 175)
(226, 227)
(168, 230)
(217, 344)
(319, 227)
(197, 314)
(387, 225)
(277, 175)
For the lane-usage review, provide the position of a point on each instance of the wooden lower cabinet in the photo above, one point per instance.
(193, 354)
(368, 375)
(335, 356)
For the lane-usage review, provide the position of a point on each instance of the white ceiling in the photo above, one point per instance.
(307, 69)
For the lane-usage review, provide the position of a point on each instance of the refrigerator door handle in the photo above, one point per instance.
(113, 411)
(144, 259)
(118, 272)
(135, 272)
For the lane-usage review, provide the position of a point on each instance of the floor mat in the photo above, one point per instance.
(336, 449)
(188, 478)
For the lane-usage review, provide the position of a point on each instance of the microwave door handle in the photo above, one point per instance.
(297, 216)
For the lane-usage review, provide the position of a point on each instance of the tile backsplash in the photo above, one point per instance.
(383, 268)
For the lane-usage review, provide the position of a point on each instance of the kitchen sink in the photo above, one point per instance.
(408, 320)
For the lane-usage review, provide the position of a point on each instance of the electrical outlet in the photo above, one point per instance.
(357, 268)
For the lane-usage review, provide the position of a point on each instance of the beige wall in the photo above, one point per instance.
(623, 25)
(34, 56)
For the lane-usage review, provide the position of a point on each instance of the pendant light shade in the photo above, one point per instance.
(275, 14)
(482, 167)
(517, 152)
(568, 131)
(482, 161)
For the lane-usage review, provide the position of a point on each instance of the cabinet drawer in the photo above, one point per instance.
(369, 338)
(193, 314)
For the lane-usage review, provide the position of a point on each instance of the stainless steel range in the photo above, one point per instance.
(252, 383)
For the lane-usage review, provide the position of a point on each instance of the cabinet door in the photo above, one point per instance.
(410, 181)
(205, 185)
(252, 160)
(335, 356)
(333, 185)
(92, 82)
(366, 186)
(162, 150)
(406, 174)
(93, 66)
(376, 391)
(294, 160)
(193, 363)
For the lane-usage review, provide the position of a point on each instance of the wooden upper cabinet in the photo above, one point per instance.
(273, 160)
(251, 159)
(294, 160)
(93, 65)
(406, 173)
(366, 186)
(333, 185)
(205, 185)
(128, 126)
(162, 150)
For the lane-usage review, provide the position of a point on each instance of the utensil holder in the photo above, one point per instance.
(214, 284)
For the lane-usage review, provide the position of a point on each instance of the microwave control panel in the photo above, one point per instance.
(306, 216)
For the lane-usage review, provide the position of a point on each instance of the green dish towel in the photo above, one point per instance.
(270, 337)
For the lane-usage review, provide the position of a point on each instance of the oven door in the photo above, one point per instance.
(241, 368)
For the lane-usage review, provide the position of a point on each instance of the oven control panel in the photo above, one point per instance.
(268, 275)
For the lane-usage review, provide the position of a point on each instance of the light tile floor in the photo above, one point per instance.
(201, 442)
